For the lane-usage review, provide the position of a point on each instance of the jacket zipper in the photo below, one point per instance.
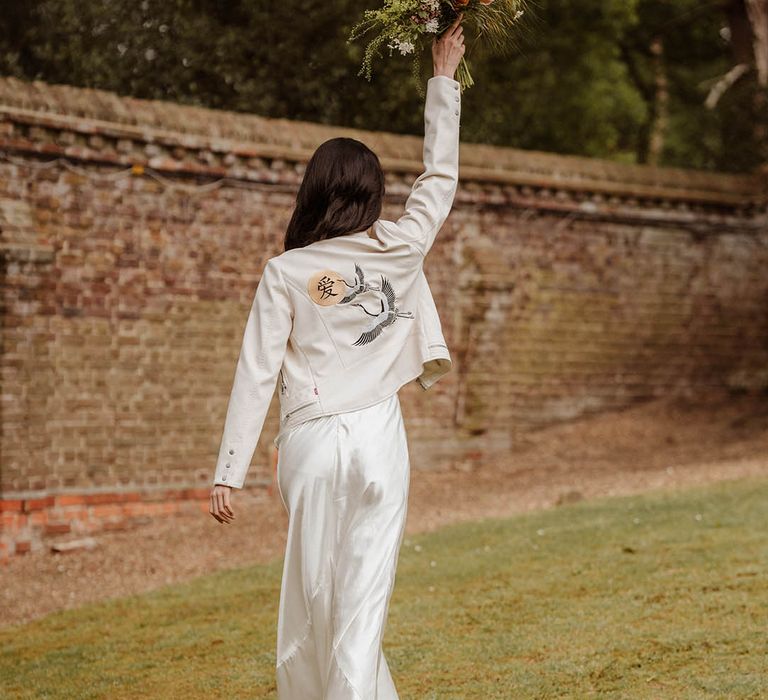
(304, 405)
(298, 408)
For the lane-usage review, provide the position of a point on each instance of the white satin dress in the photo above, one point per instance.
(344, 481)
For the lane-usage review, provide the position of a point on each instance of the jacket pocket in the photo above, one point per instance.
(300, 399)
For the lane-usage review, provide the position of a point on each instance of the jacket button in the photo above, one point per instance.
(455, 87)
(228, 465)
(457, 98)
(231, 452)
(224, 478)
(456, 112)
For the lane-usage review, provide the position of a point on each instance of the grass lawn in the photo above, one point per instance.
(656, 596)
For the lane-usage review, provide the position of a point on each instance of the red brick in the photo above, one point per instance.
(105, 511)
(31, 504)
(39, 517)
(195, 494)
(15, 505)
(70, 499)
(93, 498)
(57, 528)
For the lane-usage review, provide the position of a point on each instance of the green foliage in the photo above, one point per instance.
(404, 24)
(578, 78)
(567, 91)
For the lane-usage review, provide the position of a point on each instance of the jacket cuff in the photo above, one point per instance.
(224, 483)
(443, 101)
(444, 78)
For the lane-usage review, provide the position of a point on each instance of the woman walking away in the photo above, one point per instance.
(340, 321)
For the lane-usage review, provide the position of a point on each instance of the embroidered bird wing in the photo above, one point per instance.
(389, 293)
(374, 327)
(359, 280)
(368, 336)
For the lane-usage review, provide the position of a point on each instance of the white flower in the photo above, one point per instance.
(518, 14)
(405, 47)
(431, 25)
(433, 5)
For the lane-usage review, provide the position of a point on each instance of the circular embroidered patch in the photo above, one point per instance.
(326, 287)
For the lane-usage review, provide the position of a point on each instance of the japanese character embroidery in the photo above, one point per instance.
(329, 288)
(326, 287)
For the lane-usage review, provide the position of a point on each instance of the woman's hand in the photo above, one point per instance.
(448, 50)
(220, 506)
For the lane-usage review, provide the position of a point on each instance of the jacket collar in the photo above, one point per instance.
(357, 234)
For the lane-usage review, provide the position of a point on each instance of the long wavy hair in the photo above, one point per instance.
(342, 192)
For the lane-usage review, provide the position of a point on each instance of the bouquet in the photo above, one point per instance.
(406, 25)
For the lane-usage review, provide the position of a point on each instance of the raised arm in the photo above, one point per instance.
(261, 355)
(431, 196)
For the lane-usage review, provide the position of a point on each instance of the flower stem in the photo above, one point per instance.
(463, 75)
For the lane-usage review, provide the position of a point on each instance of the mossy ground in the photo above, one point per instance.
(662, 595)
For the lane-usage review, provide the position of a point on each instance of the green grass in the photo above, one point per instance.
(658, 596)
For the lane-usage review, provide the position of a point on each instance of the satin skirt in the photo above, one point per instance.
(344, 481)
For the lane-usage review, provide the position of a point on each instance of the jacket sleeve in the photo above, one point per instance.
(431, 196)
(267, 329)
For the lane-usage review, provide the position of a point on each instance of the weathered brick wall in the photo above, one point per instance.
(133, 234)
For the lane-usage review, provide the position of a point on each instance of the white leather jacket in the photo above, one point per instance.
(343, 323)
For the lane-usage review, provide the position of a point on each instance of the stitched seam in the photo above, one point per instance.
(277, 478)
(322, 321)
(298, 344)
(303, 352)
(334, 486)
(285, 287)
(417, 249)
(396, 553)
(345, 677)
(295, 646)
(365, 599)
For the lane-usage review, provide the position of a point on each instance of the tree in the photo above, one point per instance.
(748, 35)
(623, 79)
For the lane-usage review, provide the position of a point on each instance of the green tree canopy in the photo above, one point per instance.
(622, 79)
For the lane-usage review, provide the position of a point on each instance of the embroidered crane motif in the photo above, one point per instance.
(358, 287)
(384, 317)
(327, 288)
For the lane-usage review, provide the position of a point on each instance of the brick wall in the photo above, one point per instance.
(133, 233)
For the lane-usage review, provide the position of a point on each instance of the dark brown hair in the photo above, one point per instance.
(342, 192)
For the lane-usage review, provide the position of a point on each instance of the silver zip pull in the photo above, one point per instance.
(303, 406)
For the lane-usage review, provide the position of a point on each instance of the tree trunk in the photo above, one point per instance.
(757, 13)
(660, 108)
